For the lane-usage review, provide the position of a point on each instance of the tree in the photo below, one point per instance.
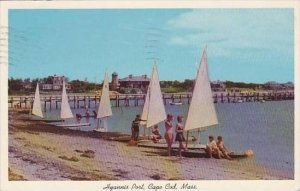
(34, 82)
(15, 85)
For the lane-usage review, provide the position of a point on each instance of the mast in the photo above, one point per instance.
(201, 112)
(144, 115)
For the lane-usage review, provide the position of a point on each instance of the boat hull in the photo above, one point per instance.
(163, 145)
(73, 125)
(175, 103)
(46, 120)
(199, 154)
(100, 130)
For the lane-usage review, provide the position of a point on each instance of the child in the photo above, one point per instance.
(156, 134)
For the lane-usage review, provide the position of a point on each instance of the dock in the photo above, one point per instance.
(134, 100)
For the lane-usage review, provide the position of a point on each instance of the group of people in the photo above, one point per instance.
(87, 115)
(212, 148)
(156, 136)
(218, 148)
(179, 133)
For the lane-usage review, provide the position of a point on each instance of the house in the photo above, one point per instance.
(55, 83)
(141, 82)
(130, 84)
(218, 86)
(27, 86)
(288, 85)
(47, 86)
(273, 85)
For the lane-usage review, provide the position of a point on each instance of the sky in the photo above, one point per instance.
(246, 45)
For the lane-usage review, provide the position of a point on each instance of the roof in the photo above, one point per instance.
(217, 82)
(130, 78)
(271, 82)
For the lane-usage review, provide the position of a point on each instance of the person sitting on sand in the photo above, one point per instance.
(212, 148)
(156, 134)
(179, 134)
(222, 148)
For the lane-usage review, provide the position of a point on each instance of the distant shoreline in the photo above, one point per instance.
(237, 92)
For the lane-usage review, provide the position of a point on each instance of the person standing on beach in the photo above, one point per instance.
(135, 127)
(179, 134)
(169, 132)
(95, 114)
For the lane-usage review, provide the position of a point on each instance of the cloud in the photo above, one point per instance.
(229, 29)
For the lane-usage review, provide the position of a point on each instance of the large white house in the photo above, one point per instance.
(56, 85)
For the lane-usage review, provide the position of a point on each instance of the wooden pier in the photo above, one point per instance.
(133, 100)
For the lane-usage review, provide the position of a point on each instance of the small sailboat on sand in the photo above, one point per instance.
(201, 113)
(37, 107)
(104, 110)
(154, 109)
(65, 111)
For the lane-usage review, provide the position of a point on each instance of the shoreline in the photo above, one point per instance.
(38, 151)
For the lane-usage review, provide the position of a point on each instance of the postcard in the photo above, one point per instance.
(149, 95)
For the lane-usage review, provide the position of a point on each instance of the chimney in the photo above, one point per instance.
(130, 76)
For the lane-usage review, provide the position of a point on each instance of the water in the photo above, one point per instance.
(266, 128)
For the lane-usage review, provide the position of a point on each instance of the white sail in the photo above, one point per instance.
(65, 111)
(156, 110)
(36, 108)
(202, 111)
(146, 107)
(104, 109)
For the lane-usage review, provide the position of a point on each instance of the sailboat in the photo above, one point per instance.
(201, 113)
(36, 108)
(104, 110)
(65, 111)
(154, 109)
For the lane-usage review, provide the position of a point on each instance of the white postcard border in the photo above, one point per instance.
(246, 185)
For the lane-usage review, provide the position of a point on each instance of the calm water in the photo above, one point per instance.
(266, 128)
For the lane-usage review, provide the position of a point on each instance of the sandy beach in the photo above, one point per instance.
(38, 151)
